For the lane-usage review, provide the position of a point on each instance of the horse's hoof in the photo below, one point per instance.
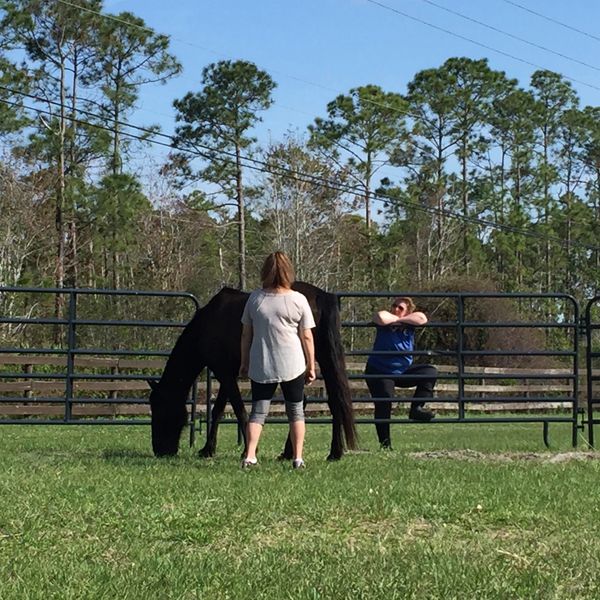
(206, 452)
(165, 452)
(333, 457)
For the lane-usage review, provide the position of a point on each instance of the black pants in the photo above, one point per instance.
(384, 388)
(293, 394)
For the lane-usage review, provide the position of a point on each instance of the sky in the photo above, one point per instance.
(317, 49)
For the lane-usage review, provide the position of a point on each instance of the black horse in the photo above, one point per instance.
(212, 339)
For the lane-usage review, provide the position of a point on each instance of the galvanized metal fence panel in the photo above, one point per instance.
(459, 328)
(50, 323)
(561, 348)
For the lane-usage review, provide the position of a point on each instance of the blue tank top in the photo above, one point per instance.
(393, 338)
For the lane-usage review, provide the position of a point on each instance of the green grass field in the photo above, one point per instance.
(486, 512)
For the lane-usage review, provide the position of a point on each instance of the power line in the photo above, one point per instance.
(209, 151)
(206, 153)
(179, 40)
(220, 54)
(406, 112)
(511, 35)
(266, 167)
(472, 41)
(130, 24)
(311, 179)
(556, 21)
(369, 101)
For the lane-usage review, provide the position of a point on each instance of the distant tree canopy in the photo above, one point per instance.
(467, 176)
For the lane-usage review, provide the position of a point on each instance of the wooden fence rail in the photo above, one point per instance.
(111, 396)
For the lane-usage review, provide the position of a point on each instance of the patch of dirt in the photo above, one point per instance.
(474, 455)
(417, 528)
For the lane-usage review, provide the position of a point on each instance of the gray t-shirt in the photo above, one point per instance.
(276, 352)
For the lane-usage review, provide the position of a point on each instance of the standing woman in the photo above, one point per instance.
(277, 348)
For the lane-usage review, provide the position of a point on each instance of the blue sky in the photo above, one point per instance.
(315, 49)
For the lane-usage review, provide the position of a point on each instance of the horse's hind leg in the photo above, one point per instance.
(288, 450)
(240, 412)
(337, 445)
(210, 447)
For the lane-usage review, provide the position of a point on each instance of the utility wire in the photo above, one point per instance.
(406, 112)
(179, 40)
(136, 25)
(356, 191)
(220, 54)
(208, 154)
(511, 35)
(472, 41)
(411, 143)
(556, 21)
(266, 167)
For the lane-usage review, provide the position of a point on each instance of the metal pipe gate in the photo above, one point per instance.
(75, 346)
(459, 328)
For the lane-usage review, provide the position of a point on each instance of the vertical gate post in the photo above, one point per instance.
(71, 342)
(460, 316)
(590, 326)
(588, 367)
(575, 372)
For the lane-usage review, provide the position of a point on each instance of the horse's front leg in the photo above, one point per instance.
(288, 450)
(210, 447)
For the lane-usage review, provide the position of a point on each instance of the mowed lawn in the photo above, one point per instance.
(485, 512)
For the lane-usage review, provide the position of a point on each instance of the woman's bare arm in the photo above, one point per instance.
(247, 333)
(308, 345)
(384, 317)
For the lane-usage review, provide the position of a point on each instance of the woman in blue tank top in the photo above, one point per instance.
(391, 365)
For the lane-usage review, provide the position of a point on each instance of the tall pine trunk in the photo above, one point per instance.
(241, 219)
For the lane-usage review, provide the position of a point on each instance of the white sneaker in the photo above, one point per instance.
(248, 463)
(298, 463)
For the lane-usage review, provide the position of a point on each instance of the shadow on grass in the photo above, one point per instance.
(139, 457)
(114, 454)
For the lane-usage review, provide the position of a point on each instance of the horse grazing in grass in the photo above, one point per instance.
(212, 339)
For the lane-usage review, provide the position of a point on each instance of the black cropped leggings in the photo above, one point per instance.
(293, 394)
(384, 388)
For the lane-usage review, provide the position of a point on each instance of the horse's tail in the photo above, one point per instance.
(333, 367)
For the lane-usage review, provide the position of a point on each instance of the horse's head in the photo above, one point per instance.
(169, 416)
